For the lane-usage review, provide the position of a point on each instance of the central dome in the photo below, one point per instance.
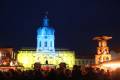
(45, 37)
(45, 29)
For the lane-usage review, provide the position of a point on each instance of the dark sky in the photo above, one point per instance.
(76, 22)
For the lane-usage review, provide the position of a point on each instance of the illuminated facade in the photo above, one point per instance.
(6, 56)
(27, 58)
(45, 52)
(45, 37)
(103, 54)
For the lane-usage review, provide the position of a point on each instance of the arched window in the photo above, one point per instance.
(107, 59)
(104, 58)
(50, 43)
(40, 43)
(45, 44)
(99, 60)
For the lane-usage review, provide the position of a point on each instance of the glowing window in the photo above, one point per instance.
(107, 59)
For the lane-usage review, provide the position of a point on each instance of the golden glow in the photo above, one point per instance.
(28, 58)
(112, 65)
(102, 58)
(103, 53)
(68, 57)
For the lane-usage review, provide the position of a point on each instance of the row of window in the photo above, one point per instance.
(84, 62)
(46, 44)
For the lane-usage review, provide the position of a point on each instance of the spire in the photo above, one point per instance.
(45, 20)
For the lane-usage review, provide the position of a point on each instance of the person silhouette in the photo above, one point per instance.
(46, 61)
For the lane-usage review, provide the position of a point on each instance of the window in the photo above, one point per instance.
(107, 59)
(83, 62)
(51, 44)
(45, 37)
(87, 62)
(46, 44)
(40, 43)
(91, 62)
(79, 62)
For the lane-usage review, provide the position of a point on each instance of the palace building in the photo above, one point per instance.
(45, 53)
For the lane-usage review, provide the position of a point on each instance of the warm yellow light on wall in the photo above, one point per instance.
(112, 65)
(28, 58)
(68, 57)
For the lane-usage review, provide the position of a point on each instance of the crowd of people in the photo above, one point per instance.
(62, 73)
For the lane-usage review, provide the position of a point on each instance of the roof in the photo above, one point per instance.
(85, 56)
(45, 31)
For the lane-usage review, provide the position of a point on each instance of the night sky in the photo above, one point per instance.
(75, 22)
